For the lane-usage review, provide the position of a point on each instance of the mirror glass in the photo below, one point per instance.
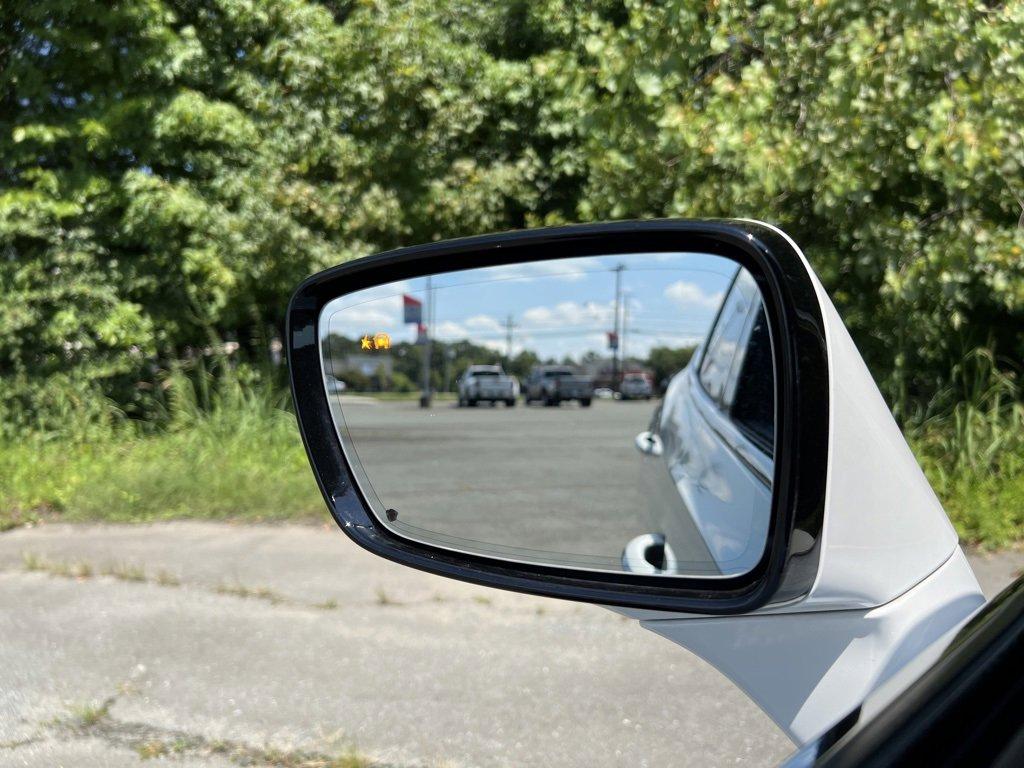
(611, 413)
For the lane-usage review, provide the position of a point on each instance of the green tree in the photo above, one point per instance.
(170, 169)
(886, 138)
(666, 362)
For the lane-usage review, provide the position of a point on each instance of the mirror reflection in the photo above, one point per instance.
(610, 413)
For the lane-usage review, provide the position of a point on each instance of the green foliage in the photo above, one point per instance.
(228, 451)
(971, 444)
(885, 138)
(170, 169)
(666, 362)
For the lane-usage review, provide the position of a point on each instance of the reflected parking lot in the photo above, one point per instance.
(463, 469)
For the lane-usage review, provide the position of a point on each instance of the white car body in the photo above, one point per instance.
(882, 587)
(892, 582)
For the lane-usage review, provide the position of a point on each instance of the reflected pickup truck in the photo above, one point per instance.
(553, 384)
(488, 383)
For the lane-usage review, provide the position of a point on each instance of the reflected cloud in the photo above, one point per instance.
(689, 295)
(570, 313)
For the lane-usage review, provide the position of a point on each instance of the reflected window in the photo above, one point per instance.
(727, 335)
(753, 403)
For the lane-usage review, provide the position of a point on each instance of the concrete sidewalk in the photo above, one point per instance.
(212, 645)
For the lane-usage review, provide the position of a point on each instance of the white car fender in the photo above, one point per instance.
(891, 578)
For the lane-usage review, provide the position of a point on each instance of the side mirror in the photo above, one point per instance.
(769, 480)
(548, 499)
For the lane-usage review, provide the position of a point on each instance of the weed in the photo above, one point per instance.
(124, 572)
(147, 750)
(257, 593)
(76, 570)
(970, 442)
(32, 562)
(237, 457)
(88, 715)
(166, 579)
(264, 593)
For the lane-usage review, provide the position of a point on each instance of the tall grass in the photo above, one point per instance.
(226, 449)
(970, 441)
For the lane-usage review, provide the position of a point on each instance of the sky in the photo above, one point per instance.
(557, 308)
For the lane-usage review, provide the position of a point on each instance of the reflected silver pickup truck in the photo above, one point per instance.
(553, 384)
(487, 383)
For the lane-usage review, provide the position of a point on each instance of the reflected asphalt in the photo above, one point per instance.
(533, 479)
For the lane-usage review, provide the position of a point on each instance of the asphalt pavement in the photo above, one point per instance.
(561, 485)
(212, 644)
(202, 644)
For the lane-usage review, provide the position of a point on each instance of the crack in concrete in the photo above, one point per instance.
(94, 721)
(83, 570)
(150, 741)
(17, 743)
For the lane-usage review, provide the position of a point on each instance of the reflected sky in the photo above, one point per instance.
(558, 308)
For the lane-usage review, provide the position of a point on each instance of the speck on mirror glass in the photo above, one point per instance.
(611, 413)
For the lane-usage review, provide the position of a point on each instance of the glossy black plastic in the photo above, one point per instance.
(802, 409)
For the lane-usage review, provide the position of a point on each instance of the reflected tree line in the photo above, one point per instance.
(398, 369)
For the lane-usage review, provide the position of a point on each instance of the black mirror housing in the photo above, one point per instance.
(788, 565)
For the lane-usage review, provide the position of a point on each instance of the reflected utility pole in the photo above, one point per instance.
(509, 327)
(625, 330)
(618, 302)
(449, 355)
(427, 328)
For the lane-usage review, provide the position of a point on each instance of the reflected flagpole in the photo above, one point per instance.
(427, 346)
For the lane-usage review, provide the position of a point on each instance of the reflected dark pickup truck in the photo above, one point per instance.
(553, 384)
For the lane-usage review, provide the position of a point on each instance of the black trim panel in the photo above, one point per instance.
(798, 339)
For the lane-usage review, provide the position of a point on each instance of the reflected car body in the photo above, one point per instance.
(709, 448)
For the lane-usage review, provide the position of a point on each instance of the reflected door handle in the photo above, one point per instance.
(649, 444)
(649, 553)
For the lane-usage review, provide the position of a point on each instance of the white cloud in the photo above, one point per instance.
(381, 313)
(568, 314)
(569, 270)
(498, 346)
(450, 330)
(484, 323)
(689, 295)
(367, 311)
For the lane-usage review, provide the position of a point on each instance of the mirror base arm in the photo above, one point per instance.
(809, 670)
